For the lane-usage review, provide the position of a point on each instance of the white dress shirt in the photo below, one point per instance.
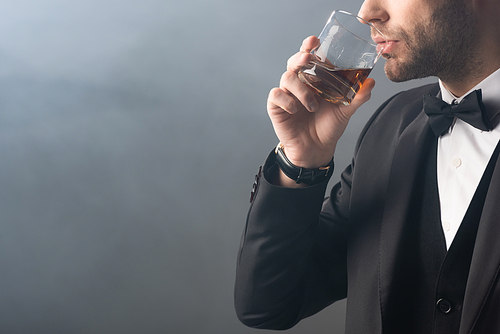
(463, 154)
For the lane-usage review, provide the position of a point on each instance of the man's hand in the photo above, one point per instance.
(307, 125)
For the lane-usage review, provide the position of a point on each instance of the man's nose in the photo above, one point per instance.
(373, 11)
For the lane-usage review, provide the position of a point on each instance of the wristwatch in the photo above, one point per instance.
(307, 176)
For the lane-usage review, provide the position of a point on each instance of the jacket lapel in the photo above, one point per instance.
(485, 263)
(412, 148)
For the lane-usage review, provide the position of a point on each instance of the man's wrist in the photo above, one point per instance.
(300, 175)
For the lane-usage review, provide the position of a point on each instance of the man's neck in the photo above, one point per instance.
(471, 77)
(459, 87)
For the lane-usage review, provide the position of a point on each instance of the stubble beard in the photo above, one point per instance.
(444, 47)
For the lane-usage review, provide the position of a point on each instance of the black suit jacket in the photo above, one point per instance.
(299, 253)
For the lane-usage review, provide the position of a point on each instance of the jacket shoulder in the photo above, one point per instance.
(399, 110)
(416, 94)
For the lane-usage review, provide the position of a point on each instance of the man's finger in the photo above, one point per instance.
(300, 59)
(309, 44)
(363, 95)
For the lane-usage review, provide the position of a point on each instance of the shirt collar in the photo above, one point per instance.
(490, 89)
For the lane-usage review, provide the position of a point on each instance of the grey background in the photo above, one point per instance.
(130, 133)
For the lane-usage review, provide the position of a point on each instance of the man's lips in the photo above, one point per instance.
(381, 43)
(384, 45)
(389, 46)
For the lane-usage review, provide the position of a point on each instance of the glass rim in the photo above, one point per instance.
(371, 41)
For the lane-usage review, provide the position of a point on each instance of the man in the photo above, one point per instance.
(409, 233)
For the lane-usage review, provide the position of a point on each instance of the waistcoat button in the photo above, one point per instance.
(443, 306)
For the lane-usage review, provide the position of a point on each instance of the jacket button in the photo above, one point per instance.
(444, 306)
(255, 184)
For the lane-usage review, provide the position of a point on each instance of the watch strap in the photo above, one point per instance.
(309, 176)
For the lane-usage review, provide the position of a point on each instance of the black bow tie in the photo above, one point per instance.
(471, 110)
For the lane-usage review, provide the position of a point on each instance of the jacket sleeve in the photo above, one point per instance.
(292, 257)
(293, 254)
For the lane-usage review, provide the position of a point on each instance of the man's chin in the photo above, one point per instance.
(398, 72)
(391, 70)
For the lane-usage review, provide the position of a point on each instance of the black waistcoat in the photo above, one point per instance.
(430, 294)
